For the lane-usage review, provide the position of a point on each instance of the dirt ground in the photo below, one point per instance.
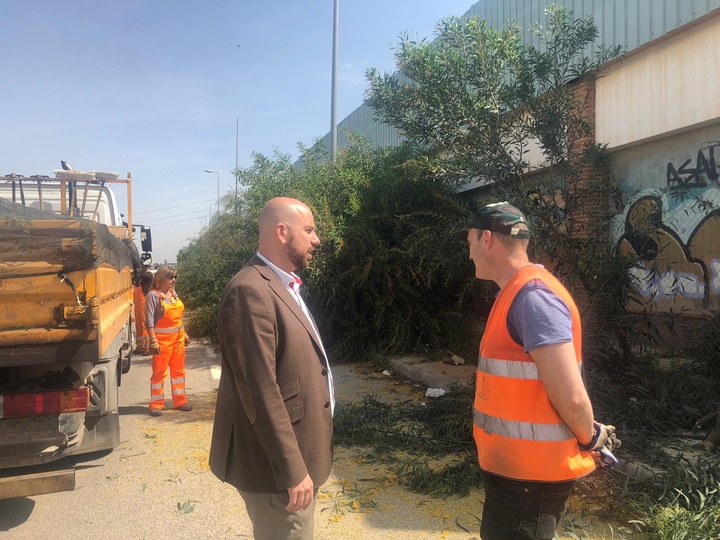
(158, 479)
(365, 499)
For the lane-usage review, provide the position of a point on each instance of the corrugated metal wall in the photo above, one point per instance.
(361, 121)
(628, 23)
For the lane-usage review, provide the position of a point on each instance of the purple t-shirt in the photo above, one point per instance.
(537, 317)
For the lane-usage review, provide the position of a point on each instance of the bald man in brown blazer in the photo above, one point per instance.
(272, 437)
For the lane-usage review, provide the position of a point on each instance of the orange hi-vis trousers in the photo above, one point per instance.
(142, 337)
(170, 334)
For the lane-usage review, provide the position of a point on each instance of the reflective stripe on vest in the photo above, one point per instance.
(161, 330)
(512, 370)
(517, 431)
(521, 430)
(503, 368)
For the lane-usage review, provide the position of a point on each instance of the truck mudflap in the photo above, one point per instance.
(27, 485)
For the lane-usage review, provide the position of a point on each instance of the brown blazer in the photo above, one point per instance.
(273, 423)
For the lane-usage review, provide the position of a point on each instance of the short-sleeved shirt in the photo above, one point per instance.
(154, 309)
(538, 317)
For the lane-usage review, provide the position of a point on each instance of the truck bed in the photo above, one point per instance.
(66, 293)
(65, 287)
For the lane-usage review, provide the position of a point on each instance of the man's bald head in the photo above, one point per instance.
(280, 210)
(287, 233)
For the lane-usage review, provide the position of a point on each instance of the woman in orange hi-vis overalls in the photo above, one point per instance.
(164, 312)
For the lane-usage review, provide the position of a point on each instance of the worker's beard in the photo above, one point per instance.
(299, 259)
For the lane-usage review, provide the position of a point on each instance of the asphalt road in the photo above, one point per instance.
(157, 483)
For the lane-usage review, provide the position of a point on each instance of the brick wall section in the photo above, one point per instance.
(670, 333)
(591, 199)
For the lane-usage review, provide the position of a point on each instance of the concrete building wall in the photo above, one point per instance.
(659, 114)
(669, 87)
(671, 221)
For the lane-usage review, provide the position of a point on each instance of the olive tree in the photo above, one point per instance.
(518, 120)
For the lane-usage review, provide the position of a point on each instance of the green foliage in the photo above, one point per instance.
(447, 419)
(265, 179)
(482, 100)
(655, 411)
(449, 94)
(651, 407)
(390, 281)
(481, 96)
(605, 282)
(388, 277)
(704, 348)
(387, 274)
(413, 437)
(409, 427)
(454, 478)
(684, 503)
(207, 264)
(371, 423)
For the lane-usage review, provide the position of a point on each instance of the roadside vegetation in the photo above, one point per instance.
(389, 279)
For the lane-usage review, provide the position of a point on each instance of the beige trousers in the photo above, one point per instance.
(272, 522)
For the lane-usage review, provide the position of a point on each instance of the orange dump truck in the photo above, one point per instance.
(67, 265)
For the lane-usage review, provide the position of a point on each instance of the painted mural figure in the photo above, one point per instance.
(666, 279)
(672, 235)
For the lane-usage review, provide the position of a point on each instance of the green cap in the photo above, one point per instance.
(501, 217)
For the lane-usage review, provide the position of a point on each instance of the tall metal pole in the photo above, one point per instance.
(218, 179)
(237, 146)
(333, 93)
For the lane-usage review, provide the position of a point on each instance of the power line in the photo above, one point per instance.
(171, 207)
(146, 221)
(176, 221)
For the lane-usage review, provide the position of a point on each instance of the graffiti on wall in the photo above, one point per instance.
(702, 175)
(673, 237)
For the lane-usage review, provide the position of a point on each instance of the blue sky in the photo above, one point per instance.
(154, 87)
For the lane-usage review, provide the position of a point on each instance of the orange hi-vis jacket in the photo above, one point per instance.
(517, 431)
(141, 334)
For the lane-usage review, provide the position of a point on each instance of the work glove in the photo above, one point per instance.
(154, 346)
(187, 339)
(603, 437)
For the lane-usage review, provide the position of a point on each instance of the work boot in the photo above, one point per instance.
(184, 408)
(155, 412)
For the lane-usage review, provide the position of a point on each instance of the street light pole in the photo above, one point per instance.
(333, 83)
(218, 179)
(237, 147)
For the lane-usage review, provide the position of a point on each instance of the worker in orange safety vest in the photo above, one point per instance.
(533, 421)
(142, 288)
(164, 311)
